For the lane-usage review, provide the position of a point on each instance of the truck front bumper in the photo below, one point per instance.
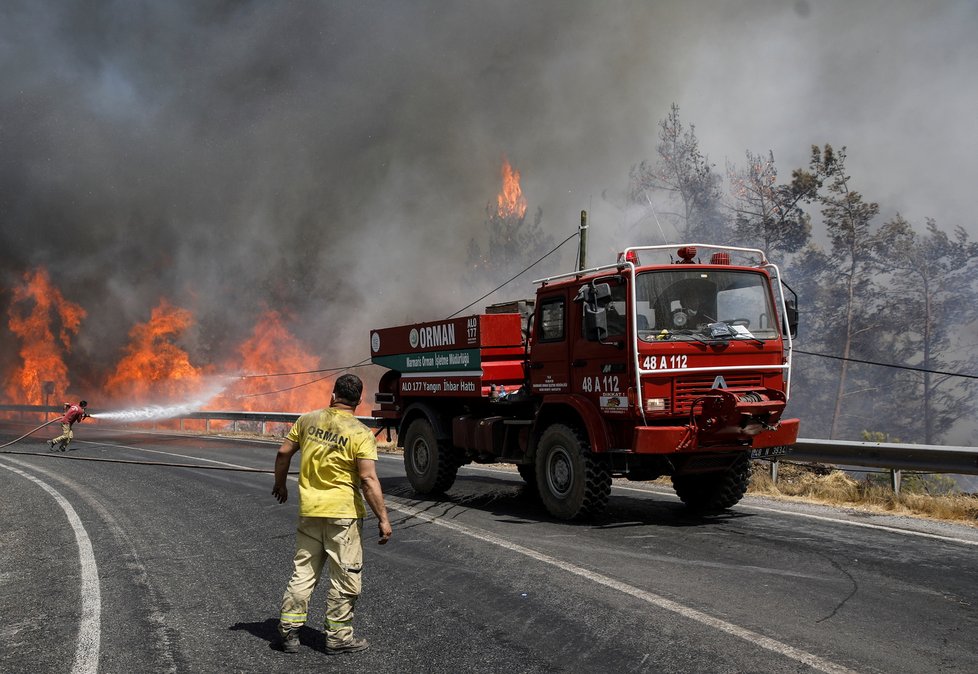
(676, 439)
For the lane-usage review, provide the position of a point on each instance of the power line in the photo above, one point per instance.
(333, 371)
(288, 374)
(898, 367)
(555, 249)
(365, 362)
(362, 363)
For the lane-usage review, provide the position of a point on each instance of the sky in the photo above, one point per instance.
(333, 160)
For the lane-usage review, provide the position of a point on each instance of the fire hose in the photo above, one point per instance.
(46, 423)
(141, 463)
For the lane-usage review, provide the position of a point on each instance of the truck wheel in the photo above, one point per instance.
(571, 482)
(429, 464)
(708, 493)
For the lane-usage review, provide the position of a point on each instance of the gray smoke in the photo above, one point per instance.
(333, 160)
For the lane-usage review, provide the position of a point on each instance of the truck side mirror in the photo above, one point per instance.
(791, 319)
(595, 323)
(595, 295)
(789, 322)
(602, 294)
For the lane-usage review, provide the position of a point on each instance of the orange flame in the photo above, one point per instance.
(153, 366)
(511, 202)
(36, 309)
(272, 348)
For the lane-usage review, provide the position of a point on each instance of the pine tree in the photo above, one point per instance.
(929, 305)
(687, 179)
(768, 215)
(846, 317)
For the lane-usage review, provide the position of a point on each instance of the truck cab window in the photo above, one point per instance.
(551, 324)
(680, 303)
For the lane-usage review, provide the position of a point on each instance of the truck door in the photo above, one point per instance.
(548, 354)
(599, 365)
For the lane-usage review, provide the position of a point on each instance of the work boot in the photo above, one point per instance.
(50, 445)
(290, 642)
(351, 646)
(63, 447)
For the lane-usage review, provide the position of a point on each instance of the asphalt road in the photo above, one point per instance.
(123, 567)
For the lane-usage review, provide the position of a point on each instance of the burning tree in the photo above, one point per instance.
(273, 349)
(153, 365)
(513, 242)
(44, 322)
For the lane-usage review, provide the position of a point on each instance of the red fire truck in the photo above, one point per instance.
(673, 361)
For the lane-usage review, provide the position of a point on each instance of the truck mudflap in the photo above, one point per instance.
(675, 439)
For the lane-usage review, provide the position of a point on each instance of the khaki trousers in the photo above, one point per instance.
(66, 435)
(317, 540)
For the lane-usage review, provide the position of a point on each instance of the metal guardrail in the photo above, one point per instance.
(925, 458)
(892, 456)
(895, 457)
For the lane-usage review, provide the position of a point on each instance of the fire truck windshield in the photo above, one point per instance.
(689, 304)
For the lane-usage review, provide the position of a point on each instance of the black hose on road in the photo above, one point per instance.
(46, 423)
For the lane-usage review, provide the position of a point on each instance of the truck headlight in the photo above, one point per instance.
(655, 405)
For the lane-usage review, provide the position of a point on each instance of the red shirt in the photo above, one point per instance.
(74, 413)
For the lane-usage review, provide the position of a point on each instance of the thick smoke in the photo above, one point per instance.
(333, 160)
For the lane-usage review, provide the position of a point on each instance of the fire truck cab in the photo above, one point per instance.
(659, 364)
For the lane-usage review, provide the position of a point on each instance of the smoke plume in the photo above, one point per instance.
(332, 161)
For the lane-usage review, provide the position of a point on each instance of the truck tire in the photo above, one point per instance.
(709, 493)
(429, 464)
(571, 482)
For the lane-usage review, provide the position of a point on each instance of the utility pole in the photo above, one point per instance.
(582, 255)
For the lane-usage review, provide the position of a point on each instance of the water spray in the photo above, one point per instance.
(159, 412)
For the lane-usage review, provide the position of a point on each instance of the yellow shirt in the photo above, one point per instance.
(331, 440)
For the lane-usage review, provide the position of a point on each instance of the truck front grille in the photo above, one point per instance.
(688, 389)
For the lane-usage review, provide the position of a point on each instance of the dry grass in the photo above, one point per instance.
(833, 487)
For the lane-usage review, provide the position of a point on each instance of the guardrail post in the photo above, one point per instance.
(895, 480)
(774, 472)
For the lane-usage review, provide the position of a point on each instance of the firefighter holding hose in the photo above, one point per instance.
(72, 414)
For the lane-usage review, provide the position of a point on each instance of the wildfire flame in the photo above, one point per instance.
(272, 348)
(154, 372)
(153, 365)
(38, 308)
(510, 201)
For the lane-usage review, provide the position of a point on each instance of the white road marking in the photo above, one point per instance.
(865, 525)
(89, 625)
(750, 636)
(823, 518)
(834, 520)
(157, 451)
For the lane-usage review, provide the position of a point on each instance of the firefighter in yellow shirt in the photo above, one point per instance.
(338, 461)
